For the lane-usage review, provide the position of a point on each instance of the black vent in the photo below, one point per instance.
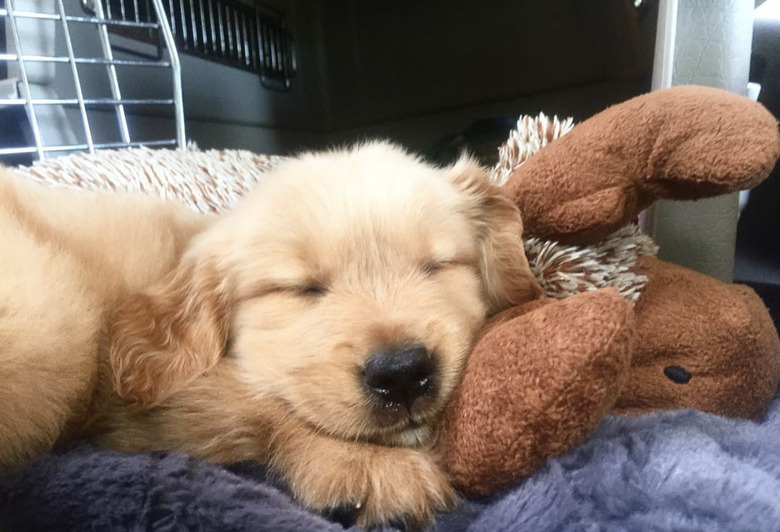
(251, 38)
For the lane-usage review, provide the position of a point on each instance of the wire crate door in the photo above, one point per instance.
(47, 67)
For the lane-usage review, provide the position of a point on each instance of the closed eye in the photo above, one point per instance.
(309, 291)
(433, 267)
(312, 291)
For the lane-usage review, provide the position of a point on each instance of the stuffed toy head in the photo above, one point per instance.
(700, 344)
(543, 374)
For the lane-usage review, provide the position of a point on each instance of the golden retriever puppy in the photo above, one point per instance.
(319, 328)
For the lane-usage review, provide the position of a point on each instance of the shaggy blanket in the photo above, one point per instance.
(682, 470)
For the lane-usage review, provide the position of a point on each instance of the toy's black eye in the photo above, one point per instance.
(677, 374)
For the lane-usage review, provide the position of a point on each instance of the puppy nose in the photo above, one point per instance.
(399, 374)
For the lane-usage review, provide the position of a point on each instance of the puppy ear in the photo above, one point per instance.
(163, 338)
(506, 275)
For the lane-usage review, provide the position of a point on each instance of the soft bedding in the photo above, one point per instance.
(683, 470)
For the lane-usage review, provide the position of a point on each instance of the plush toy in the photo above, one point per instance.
(544, 373)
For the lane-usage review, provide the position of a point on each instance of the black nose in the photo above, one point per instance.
(399, 374)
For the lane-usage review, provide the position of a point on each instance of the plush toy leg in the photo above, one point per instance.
(536, 384)
(700, 344)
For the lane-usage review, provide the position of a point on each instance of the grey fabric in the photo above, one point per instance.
(681, 470)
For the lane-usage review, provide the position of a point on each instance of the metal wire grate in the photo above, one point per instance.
(20, 40)
(251, 38)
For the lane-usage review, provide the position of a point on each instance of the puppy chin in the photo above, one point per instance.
(410, 434)
(398, 427)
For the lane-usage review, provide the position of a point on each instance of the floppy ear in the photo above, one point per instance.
(506, 276)
(163, 338)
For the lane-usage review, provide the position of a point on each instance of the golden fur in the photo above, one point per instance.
(66, 258)
(251, 344)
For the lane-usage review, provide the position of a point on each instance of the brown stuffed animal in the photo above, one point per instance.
(543, 374)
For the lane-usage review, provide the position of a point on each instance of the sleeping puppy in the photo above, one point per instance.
(320, 328)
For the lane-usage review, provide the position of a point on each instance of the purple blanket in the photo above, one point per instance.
(672, 471)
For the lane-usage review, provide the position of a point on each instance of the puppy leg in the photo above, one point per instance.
(387, 483)
(49, 327)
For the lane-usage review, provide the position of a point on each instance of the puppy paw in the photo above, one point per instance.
(410, 490)
(385, 485)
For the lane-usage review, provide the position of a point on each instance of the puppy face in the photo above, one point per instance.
(349, 284)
